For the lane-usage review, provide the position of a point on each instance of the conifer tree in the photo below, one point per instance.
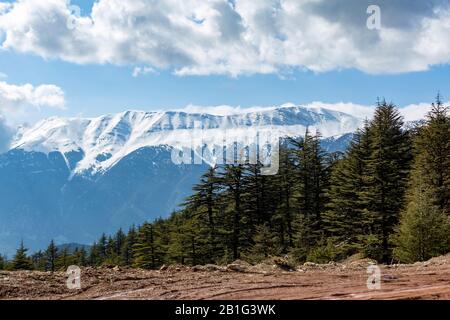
(424, 231)
(127, 248)
(265, 244)
(311, 185)
(143, 249)
(204, 202)
(38, 260)
(21, 261)
(432, 154)
(284, 182)
(64, 259)
(233, 180)
(51, 255)
(387, 175)
(119, 242)
(344, 219)
(2, 262)
(80, 257)
(111, 256)
(178, 247)
(102, 248)
(94, 255)
(146, 250)
(162, 239)
(194, 239)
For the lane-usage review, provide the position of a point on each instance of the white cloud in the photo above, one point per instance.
(356, 110)
(17, 101)
(4, 6)
(233, 37)
(410, 112)
(416, 111)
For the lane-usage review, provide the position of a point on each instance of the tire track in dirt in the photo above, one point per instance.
(427, 280)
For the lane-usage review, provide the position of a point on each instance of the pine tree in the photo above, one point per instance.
(102, 248)
(387, 175)
(178, 247)
(119, 242)
(21, 261)
(127, 248)
(301, 239)
(424, 231)
(265, 245)
(111, 256)
(80, 257)
(38, 260)
(204, 202)
(2, 262)
(147, 253)
(162, 240)
(233, 180)
(194, 240)
(284, 183)
(344, 219)
(64, 259)
(259, 202)
(311, 185)
(432, 154)
(51, 255)
(94, 255)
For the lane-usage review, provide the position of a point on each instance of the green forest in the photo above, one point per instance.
(386, 198)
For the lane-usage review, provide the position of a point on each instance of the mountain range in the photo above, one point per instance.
(71, 179)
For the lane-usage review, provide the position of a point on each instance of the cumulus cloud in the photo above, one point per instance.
(414, 112)
(233, 37)
(357, 110)
(17, 100)
(410, 112)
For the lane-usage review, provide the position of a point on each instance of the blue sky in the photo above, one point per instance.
(97, 89)
(104, 83)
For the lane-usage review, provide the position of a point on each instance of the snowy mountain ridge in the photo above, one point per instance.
(107, 139)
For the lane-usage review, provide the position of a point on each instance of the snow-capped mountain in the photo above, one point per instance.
(70, 179)
(105, 140)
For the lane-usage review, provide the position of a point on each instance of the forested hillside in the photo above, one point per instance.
(386, 197)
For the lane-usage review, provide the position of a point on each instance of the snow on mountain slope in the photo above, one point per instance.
(105, 140)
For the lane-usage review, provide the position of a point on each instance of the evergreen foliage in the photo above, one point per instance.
(423, 231)
(21, 261)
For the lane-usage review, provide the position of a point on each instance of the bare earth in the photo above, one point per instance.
(426, 280)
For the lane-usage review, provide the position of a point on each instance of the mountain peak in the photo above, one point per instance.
(105, 140)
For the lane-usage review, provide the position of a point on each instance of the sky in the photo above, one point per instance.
(86, 58)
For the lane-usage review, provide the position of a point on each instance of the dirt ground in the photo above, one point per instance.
(425, 280)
